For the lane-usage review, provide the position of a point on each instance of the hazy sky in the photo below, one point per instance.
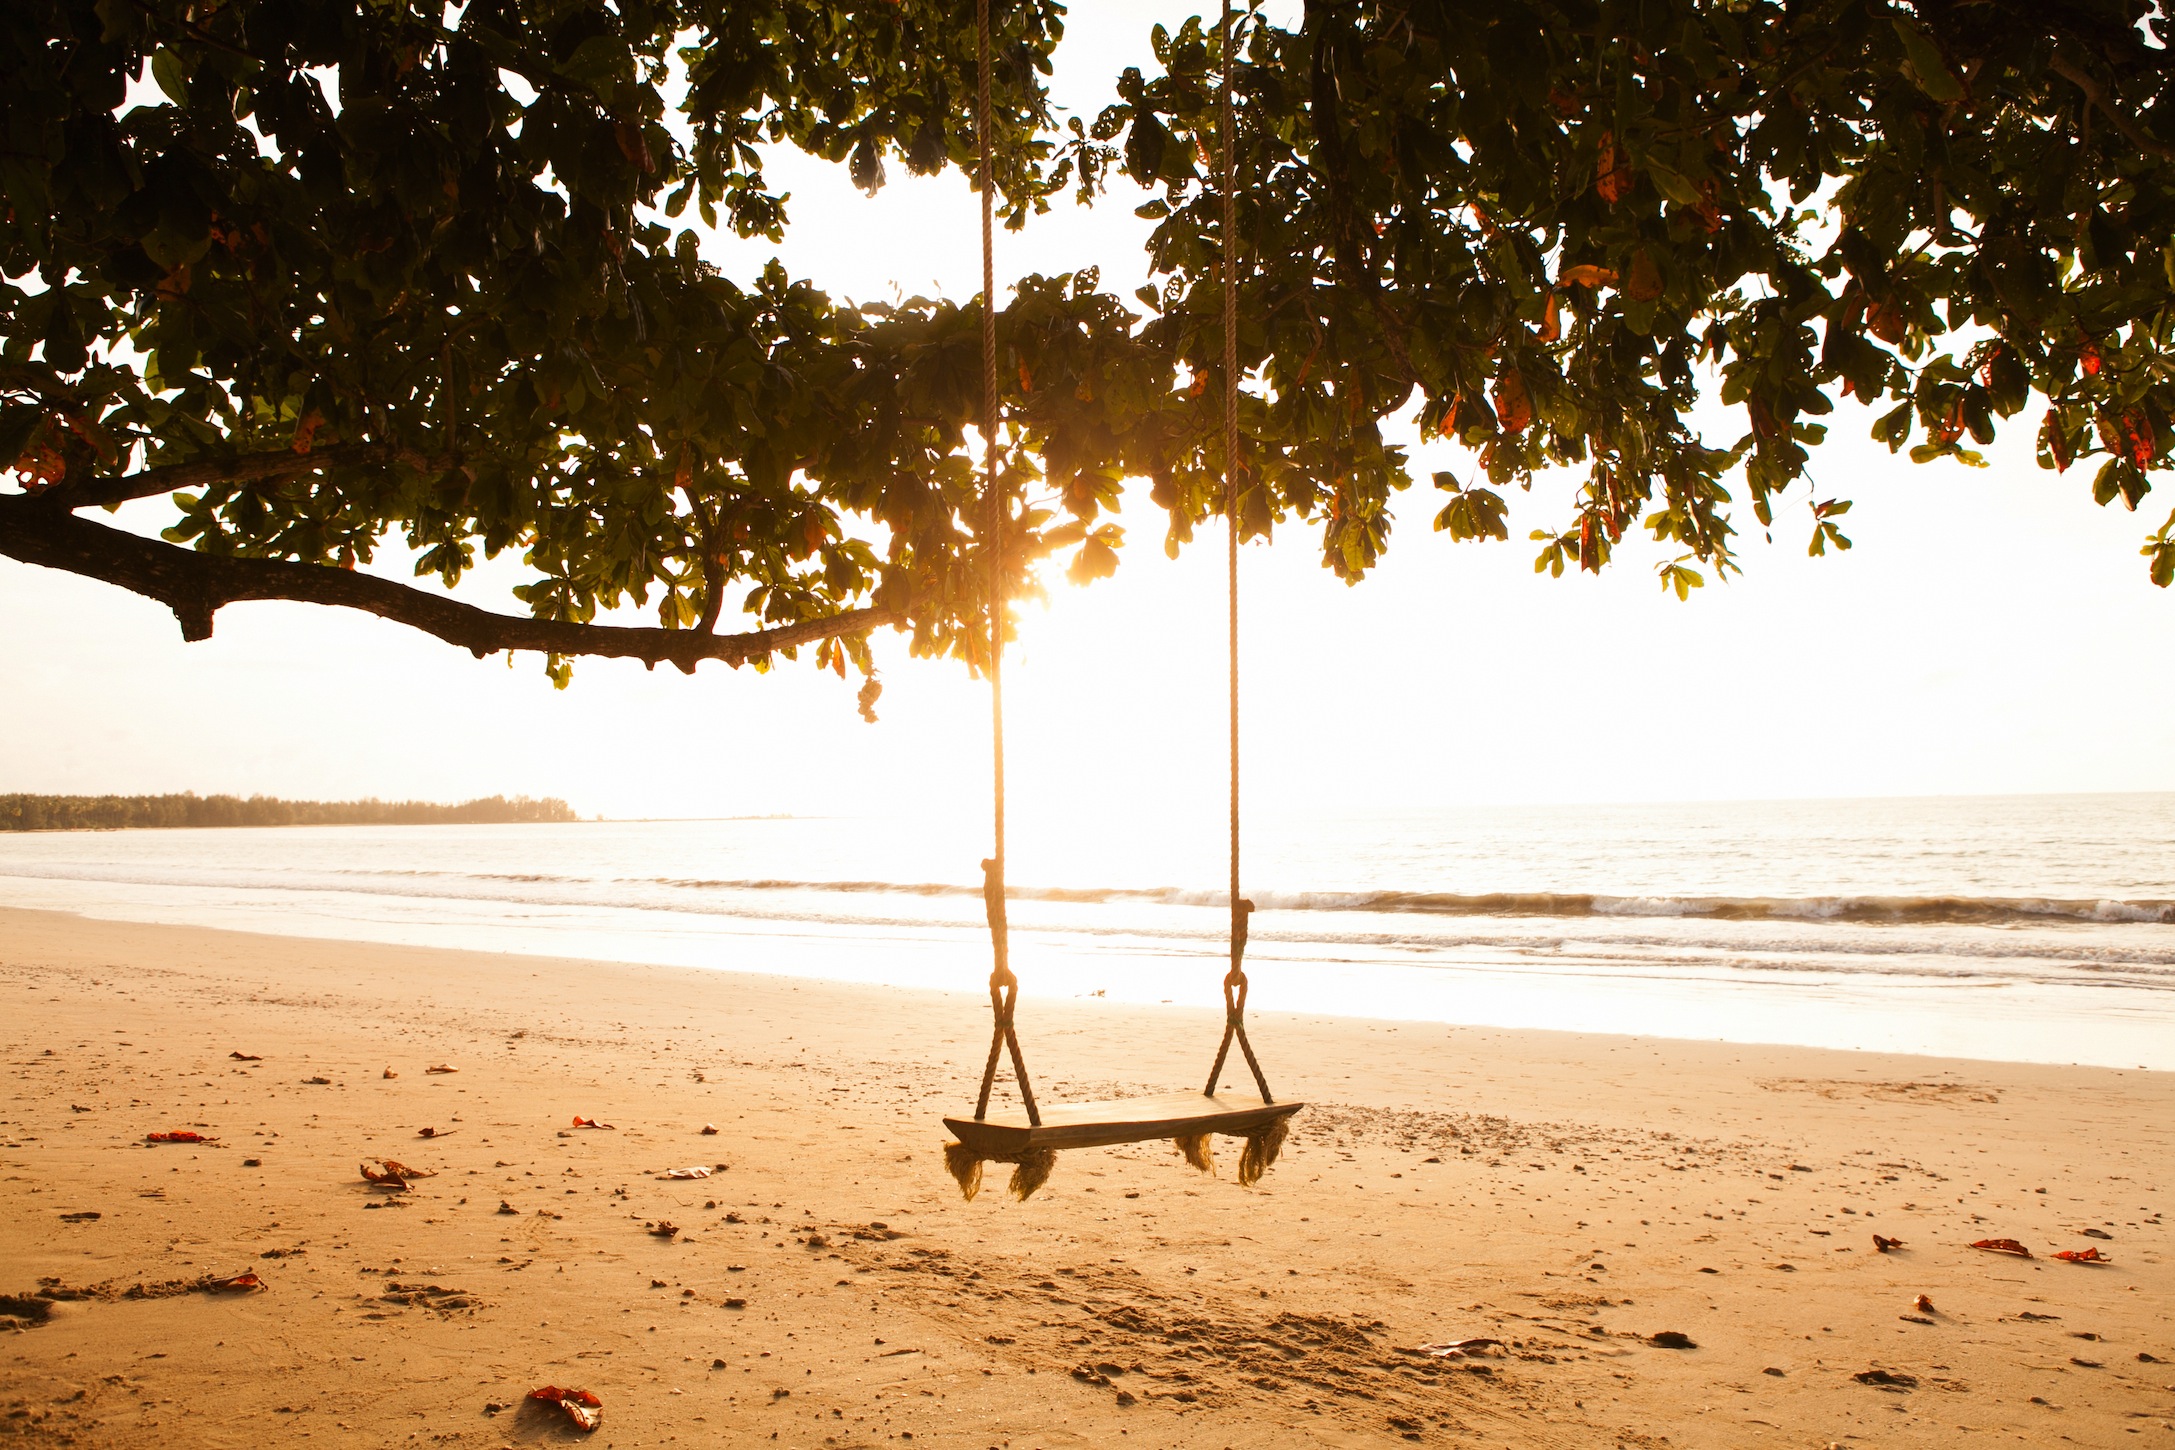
(1992, 631)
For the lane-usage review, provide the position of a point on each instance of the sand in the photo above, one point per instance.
(1571, 1196)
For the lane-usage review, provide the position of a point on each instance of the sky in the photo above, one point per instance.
(1992, 632)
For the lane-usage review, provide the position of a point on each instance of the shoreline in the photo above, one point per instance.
(1565, 1194)
(1680, 994)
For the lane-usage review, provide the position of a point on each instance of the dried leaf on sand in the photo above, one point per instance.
(2003, 1246)
(179, 1136)
(584, 1409)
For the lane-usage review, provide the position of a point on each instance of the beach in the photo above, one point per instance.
(1571, 1196)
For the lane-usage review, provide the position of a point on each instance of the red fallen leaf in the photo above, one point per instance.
(240, 1283)
(1923, 1305)
(2003, 1246)
(2082, 1256)
(182, 1135)
(390, 1074)
(581, 1122)
(385, 1178)
(1885, 1245)
(435, 1132)
(664, 1228)
(405, 1171)
(581, 1407)
(441, 1067)
(245, 1057)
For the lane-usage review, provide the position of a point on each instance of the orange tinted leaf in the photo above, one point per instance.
(1512, 405)
(1586, 274)
(2003, 1246)
(1612, 173)
(1885, 321)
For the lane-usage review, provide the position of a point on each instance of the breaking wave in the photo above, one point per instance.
(1857, 910)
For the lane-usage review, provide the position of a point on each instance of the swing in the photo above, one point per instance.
(1029, 1137)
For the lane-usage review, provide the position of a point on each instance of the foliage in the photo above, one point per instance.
(1537, 221)
(338, 272)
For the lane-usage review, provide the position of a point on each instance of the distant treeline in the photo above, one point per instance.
(120, 812)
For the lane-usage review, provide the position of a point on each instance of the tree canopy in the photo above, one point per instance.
(331, 274)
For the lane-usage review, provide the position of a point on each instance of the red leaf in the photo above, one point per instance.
(1612, 173)
(2057, 441)
(182, 1135)
(1512, 404)
(2082, 1256)
(2003, 1246)
(583, 1408)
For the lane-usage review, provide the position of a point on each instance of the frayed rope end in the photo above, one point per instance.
(1262, 1146)
(1031, 1168)
(1198, 1149)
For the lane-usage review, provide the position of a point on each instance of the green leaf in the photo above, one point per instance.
(167, 70)
(1928, 69)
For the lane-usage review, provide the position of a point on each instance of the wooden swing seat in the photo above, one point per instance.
(1122, 1120)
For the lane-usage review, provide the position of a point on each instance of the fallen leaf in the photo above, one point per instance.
(389, 1073)
(181, 1135)
(2083, 1256)
(1886, 1377)
(697, 1171)
(435, 1132)
(1671, 1339)
(709, 1130)
(581, 1407)
(2003, 1246)
(440, 1067)
(245, 1057)
(1886, 1245)
(664, 1228)
(1923, 1304)
(239, 1283)
(581, 1122)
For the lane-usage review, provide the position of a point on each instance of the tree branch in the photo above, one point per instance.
(196, 586)
(2097, 95)
(200, 472)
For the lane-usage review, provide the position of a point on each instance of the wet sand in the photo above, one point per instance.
(1571, 1196)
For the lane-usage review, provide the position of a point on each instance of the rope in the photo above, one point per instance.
(1234, 981)
(1004, 988)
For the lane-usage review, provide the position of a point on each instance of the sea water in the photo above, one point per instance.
(2018, 928)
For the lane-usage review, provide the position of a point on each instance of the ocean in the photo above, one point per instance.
(2037, 929)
